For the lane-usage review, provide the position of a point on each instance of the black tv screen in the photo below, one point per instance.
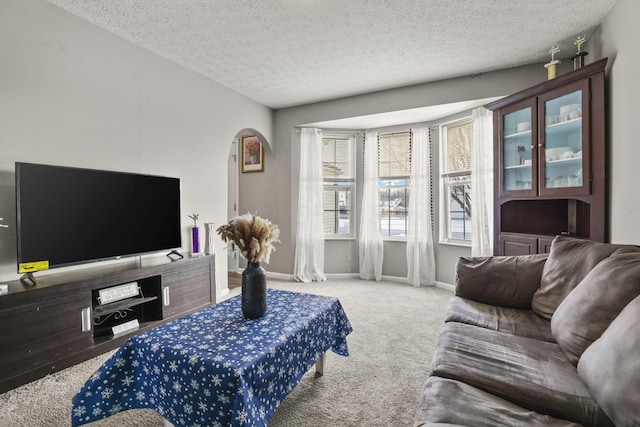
(69, 216)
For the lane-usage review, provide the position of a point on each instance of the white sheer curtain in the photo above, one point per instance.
(309, 256)
(370, 243)
(482, 183)
(421, 265)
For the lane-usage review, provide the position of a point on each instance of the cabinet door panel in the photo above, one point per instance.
(187, 290)
(517, 149)
(544, 245)
(564, 155)
(42, 333)
(518, 245)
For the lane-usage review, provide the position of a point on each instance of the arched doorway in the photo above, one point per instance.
(234, 170)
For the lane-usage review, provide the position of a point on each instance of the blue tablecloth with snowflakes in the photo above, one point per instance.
(215, 368)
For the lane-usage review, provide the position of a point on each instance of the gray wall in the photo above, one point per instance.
(73, 94)
(617, 39)
(286, 147)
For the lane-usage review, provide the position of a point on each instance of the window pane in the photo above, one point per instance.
(337, 209)
(394, 155)
(459, 138)
(394, 204)
(336, 157)
(460, 212)
(467, 227)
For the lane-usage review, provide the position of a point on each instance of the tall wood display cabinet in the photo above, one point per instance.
(550, 157)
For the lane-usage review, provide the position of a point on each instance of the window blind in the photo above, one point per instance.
(459, 138)
(394, 155)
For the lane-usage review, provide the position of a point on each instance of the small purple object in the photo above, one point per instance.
(195, 236)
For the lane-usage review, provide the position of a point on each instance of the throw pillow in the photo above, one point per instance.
(570, 260)
(589, 309)
(611, 367)
(506, 281)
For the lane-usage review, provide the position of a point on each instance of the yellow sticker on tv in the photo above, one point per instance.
(30, 267)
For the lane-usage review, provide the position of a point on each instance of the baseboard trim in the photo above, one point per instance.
(395, 279)
(439, 285)
(280, 276)
(350, 276)
(342, 276)
(445, 286)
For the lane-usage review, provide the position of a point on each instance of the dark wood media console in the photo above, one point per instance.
(53, 325)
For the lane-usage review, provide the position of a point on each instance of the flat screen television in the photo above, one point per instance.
(68, 215)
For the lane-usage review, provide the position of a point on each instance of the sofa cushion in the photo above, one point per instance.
(530, 373)
(449, 402)
(589, 309)
(524, 323)
(611, 367)
(570, 260)
(507, 281)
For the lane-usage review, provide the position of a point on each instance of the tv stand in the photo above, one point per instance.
(61, 321)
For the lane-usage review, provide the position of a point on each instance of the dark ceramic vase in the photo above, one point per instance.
(254, 291)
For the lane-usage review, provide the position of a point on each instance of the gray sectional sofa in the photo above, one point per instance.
(541, 340)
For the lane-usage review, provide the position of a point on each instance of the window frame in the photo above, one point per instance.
(332, 183)
(446, 184)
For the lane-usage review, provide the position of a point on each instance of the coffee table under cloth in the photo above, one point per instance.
(215, 368)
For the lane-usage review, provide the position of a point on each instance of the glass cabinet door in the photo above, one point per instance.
(518, 156)
(563, 150)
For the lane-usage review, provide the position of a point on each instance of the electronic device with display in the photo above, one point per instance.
(68, 216)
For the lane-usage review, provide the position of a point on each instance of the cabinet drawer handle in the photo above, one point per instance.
(86, 319)
(165, 296)
(533, 146)
(540, 145)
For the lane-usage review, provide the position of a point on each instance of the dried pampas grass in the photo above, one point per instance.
(253, 235)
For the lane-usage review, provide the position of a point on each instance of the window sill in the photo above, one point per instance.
(339, 238)
(461, 243)
(395, 239)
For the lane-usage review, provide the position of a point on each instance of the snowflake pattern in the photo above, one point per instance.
(216, 368)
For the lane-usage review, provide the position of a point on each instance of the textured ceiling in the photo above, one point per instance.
(289, 52)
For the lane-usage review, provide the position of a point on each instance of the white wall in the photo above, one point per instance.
(617, 39)
(73, 94)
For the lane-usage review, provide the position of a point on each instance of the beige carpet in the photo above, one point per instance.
(395, 327)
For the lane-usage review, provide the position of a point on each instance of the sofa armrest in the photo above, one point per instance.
(506, 281)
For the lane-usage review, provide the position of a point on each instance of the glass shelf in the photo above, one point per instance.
(562, 128)
(525, 134)
(528, 166)
(564, 162)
